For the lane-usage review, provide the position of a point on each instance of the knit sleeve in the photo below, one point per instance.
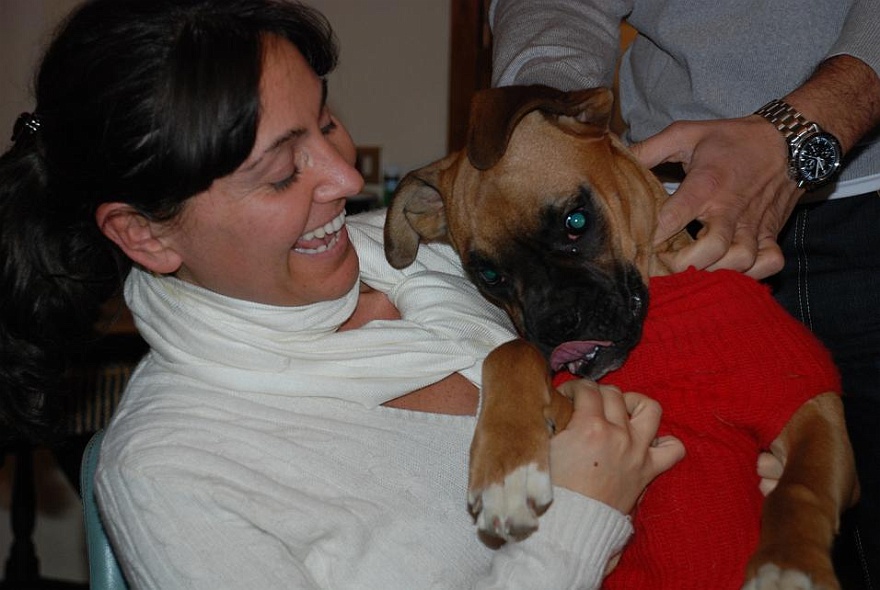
(575, 540)
(200, 527)
(192, 531)
(567, 44)
(860, 36)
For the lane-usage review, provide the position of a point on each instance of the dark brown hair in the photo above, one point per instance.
(145, 102)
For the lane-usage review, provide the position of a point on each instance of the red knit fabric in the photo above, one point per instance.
(730, 367)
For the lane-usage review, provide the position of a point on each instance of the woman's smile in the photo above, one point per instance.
(321, 238)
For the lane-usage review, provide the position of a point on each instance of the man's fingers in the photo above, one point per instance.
(769, 260)
(691, 202)
(742, 252)
(720, 245)
(675, 214)
(711, 245)
(673, 144)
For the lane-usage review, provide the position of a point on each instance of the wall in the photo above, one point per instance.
(391, 86)
(390, 90)
(25, 25)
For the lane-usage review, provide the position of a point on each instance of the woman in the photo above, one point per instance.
(303, 417)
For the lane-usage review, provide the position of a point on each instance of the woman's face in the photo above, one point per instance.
(272, 231)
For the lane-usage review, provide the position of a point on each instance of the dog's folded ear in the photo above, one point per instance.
(417, 213)
(495, 113)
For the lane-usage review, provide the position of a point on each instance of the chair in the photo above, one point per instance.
(104, 572)
(22, 563)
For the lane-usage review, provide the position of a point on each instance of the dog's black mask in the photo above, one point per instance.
(564, 293)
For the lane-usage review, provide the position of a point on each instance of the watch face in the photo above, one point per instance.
(817, 158)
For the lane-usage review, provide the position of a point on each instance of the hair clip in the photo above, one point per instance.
(25, 124)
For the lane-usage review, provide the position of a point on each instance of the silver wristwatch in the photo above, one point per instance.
(814, 155)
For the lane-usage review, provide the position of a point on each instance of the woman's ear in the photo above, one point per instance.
(139, 238)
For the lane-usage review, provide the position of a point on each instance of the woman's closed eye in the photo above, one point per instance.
(285, 182)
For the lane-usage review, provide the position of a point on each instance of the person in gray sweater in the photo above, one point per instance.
(790, 202)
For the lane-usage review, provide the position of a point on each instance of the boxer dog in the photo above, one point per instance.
(553, 219)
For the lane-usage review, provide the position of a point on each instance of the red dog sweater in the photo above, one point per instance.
(729, 367)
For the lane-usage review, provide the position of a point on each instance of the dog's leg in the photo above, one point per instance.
(801, 516)
(509, 483)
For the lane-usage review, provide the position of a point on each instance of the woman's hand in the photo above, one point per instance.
(608, 451)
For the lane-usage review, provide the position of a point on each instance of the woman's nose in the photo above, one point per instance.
(339, 178)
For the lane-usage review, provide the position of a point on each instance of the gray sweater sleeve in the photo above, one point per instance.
(860, 36)
(574, 44)
(564, 43)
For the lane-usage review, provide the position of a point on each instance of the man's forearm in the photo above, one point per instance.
(843, 97)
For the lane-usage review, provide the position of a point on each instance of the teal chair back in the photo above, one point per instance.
(104, 572)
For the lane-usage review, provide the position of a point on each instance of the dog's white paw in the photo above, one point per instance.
(771, 577)
(510, 510)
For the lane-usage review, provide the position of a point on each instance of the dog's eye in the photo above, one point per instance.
(576, 222)
(490, 276)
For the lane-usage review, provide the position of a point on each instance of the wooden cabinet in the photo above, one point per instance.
(470, 63)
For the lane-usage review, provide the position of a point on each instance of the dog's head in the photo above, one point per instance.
(552, 217)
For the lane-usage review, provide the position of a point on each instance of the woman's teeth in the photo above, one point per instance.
(329, 229)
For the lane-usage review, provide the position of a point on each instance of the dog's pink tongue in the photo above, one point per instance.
(573, 351)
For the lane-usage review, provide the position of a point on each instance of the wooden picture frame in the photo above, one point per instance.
(368, 163)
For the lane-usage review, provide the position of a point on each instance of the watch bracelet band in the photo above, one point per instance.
(797, 133)
(786, 119)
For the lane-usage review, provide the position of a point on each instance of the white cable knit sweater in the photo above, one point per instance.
(250, 449)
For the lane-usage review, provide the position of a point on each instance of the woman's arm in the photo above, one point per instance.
(600, 465)
(574, 547)
(432, 294)
(193, 530)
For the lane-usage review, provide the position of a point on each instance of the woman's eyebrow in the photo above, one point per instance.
(291, 133)
(281, 140)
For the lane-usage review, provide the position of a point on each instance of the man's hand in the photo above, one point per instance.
(736, 185)
(737, 181)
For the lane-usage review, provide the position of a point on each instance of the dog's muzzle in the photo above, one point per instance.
(589, 330)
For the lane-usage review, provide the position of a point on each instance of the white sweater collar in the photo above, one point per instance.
(244, 346)
(236, 345)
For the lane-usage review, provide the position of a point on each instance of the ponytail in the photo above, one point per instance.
(57, 271)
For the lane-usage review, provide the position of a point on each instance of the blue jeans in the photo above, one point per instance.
(831, 282)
